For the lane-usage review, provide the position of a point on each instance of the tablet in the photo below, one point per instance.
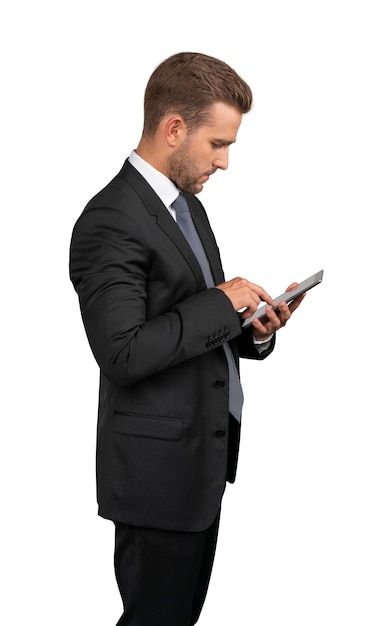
(288, 296)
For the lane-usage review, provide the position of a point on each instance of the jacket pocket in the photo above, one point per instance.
(150, 426)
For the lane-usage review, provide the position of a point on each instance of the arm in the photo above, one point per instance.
(136, 326)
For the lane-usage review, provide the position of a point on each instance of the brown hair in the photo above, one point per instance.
(188, 83)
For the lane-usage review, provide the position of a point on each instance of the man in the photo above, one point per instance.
(166, 331)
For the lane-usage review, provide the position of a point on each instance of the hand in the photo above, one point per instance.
(275, 319)
(243, 293)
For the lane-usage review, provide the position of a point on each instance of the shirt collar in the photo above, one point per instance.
(161, 184)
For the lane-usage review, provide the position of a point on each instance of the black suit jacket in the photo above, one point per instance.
(166, 443)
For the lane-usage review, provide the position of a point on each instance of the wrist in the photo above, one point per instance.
(261, 339)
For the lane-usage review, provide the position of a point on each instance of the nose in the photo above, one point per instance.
(221, 161)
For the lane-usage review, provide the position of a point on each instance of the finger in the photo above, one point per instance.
(268, 324)
(276, 317)
(251, 306)
(283, 313)
(292, 287)
(258, 290)
(296, 302)
(263, 295)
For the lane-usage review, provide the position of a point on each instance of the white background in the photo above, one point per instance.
(299, 541)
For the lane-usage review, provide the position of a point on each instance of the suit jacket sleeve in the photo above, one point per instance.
(136, 326)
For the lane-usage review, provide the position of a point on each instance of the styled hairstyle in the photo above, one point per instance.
(188, 84)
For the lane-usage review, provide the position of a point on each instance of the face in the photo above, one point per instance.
(205, 150)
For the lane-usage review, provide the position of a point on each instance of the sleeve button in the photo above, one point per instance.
(220, 433)
(220, 383)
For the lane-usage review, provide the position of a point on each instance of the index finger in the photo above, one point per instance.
(263, 295)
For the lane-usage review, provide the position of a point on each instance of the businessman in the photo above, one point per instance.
(166, 331)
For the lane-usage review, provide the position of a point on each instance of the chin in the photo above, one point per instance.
(197, 188)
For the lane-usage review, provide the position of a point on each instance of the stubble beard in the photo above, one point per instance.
(183, 171)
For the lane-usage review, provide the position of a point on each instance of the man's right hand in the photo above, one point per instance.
(244, 294)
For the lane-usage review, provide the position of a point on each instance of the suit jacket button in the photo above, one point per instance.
(220, 382)
(220, 433)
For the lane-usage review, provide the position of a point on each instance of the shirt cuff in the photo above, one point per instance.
(260, 345)
(259, 342)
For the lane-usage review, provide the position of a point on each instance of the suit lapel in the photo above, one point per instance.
(170, 227)
(164, 220)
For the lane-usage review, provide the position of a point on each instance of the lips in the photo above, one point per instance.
(208, 174)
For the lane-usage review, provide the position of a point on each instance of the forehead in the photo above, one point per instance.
(223, 122)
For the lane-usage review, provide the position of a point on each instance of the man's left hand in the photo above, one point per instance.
(275, 318)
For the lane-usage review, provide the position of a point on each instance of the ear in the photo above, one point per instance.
(175, 130)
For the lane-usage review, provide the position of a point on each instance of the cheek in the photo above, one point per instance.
(204, 158)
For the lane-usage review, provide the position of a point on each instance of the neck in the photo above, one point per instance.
(153, 154)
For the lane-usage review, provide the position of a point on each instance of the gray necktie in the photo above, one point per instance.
(186, 224)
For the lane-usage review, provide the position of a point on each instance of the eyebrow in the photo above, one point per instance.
(224, 142)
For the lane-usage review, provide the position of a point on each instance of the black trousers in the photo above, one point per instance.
(163, 576)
